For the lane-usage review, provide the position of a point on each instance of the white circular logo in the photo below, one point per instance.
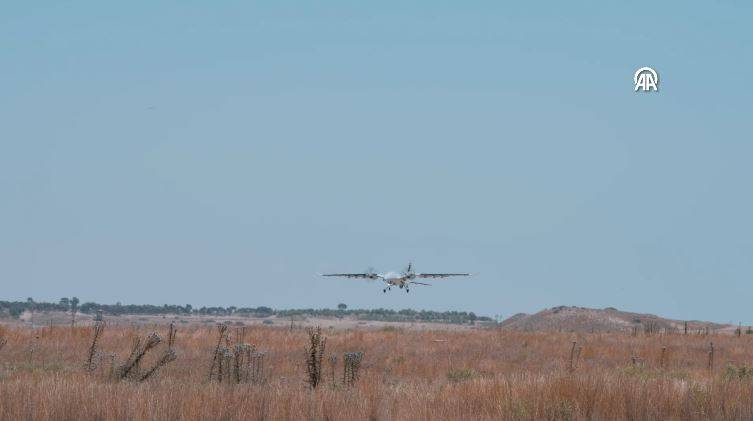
(646, 79)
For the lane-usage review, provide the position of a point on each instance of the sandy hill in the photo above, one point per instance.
(581, 319)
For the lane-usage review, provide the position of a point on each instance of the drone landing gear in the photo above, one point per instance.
(407, 290)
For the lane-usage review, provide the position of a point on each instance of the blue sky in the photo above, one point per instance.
(225, 153)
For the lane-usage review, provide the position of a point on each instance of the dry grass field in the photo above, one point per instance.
(405, 375)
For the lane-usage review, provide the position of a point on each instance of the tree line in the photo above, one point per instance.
(14, 309)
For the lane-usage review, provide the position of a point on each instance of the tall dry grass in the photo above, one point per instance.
(404, 375)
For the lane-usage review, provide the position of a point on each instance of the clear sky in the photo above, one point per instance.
(225, 153)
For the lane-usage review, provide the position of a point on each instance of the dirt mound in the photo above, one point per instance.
(581, 319)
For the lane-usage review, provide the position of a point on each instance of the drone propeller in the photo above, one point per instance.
(372, 272)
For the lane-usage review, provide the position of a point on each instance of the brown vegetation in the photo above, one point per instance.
(401, 375)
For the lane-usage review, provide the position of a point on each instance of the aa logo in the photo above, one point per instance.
(646, 79)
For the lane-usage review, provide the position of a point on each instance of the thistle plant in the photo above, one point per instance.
(241, 357)
(216, 356)
(352, 363)
(314, 355)
(130, 368)
(98, 328)
(166, 358)
(256, 368)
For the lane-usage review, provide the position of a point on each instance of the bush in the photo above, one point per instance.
(15, 312)
(461, 375)
(733, 372)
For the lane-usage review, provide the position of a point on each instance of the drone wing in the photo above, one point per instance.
(354, 275)
(440, 275)
(419, 283)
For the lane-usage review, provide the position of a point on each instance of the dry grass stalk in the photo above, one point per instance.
(220, 358)
(217, 356)
(650, 327)
(225, 357)
(352, 363)
(333, 367)
(135, 347)
(242, 364)
(241, 360)
(314, 355)
(171, 335)
(248, 351)
(98, 328)
(662, 358)
(166, 358)
(130, 369)
(240, 334)
(238, 359)
(249, 364)
(113, 358)
(572, 356)
(33, 348)
(256, 370)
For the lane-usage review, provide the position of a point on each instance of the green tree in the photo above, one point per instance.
(74, 309)
(15, 312)
(342, 306)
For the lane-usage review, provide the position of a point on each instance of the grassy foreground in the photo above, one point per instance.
(405, 375)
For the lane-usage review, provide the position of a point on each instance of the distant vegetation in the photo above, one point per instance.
(16, 308)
